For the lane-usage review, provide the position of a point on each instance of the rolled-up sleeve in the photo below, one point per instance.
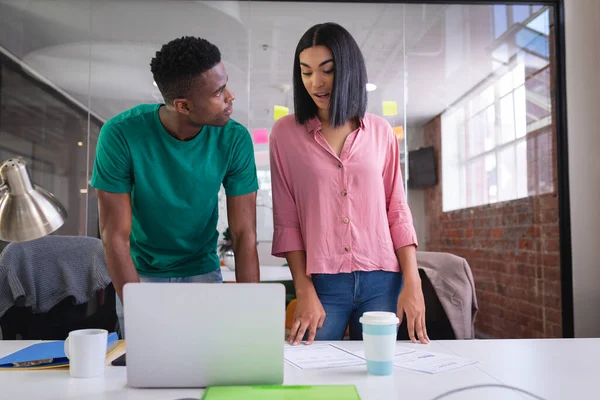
(287, 233)
(399, 215)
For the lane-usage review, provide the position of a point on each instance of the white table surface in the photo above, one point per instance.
(267, 274)
(549, 368)
(553, 369)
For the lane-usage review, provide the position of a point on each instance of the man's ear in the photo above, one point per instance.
(182, 106)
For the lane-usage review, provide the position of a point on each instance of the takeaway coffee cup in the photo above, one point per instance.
(379, 337)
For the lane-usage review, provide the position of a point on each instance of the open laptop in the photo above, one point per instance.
(204, 334)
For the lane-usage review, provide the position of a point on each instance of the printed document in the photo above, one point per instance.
(317, 356)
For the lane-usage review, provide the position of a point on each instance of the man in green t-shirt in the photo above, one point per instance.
(159, 168)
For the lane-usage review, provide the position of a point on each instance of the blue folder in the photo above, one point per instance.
(42, 355)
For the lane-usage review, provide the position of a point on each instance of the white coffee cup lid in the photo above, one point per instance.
(379, 318)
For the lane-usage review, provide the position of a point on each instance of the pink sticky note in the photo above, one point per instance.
(260, 136)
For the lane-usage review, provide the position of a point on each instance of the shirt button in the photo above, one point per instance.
(340, 165)
(346, 220)
(347, 248)
(344, 193)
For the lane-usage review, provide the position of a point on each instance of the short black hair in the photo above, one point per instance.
(179, 62)
(348, 98)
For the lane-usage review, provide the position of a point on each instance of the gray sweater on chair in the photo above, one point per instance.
(43, 272)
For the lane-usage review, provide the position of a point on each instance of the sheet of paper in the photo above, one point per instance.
(431, 363)
(424, 361)
(318, 356)
(399, 351)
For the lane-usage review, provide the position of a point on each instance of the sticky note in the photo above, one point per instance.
(260, 136)
(399, 131)
(280, 111)
(389, 108)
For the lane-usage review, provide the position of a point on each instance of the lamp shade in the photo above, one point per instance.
(27, 211)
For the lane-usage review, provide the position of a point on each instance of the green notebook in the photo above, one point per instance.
(320, 392)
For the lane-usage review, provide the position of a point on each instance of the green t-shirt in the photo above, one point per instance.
(174, 187)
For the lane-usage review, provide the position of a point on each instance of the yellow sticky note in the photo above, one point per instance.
(280, 111)
(389, 108)
(399, 131)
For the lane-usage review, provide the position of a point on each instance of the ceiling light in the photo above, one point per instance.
(371, 87)
(154, 83)
(79, 144)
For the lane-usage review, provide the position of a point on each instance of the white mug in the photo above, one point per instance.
(86, 351)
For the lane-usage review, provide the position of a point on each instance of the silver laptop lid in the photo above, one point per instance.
(204, 334)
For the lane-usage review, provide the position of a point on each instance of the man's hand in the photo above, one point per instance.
(308, 316)
(412, 303)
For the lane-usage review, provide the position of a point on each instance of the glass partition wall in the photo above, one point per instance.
(468, 90)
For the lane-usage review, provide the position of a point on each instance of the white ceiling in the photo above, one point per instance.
(428, 54)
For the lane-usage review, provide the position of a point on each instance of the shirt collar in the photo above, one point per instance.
(313, 124)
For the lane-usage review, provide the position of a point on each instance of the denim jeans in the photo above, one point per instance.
(345, 297)
(211, 277)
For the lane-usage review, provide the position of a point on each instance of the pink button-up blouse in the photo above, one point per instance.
(349, 213)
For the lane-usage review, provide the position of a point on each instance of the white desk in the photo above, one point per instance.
(267, 274)
(553, 369)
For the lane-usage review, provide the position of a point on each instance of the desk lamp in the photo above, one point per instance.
(27, 211)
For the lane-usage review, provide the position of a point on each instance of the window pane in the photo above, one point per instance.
(522, 169)
(487, 96)
(500, 54)
(500, 20)
(505, 85)
(452, 141)
(507, 119)
(507, 174)
(533, 41)
(520, 112)
(475, 136)
(541, 23)
(490, 128)
(477, 183)
(519, 74)
(520, 13)
(538, 101)
(481, 101)
(491, 179)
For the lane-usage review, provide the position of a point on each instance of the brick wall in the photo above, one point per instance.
(512, 247)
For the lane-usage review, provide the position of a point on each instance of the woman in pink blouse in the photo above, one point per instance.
(340, 214)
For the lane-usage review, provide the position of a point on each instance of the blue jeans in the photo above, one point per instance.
(211, 277)
(345, 297)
